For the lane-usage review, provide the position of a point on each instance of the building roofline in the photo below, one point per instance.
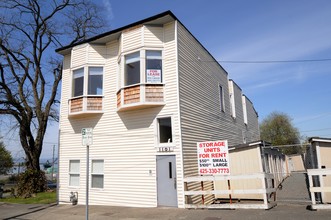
(319, 139)
(260, 143)
(135, 24)
(118, 30)
(257, 114)
(235, 84)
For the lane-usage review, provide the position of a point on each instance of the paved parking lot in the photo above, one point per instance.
(50, 212)
(292, 202)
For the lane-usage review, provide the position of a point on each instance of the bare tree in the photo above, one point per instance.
(30, 71)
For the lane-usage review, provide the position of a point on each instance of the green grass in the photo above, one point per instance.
(41, 198)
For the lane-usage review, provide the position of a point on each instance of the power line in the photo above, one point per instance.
(323, 129)
(276, 61)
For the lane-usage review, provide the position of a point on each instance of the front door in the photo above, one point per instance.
(166, 181)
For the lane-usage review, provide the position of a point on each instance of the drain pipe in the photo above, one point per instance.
(73, 198)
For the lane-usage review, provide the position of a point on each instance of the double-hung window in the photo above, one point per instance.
(74, 172)
(153, 66)
(132, 69)
(97, 174)
(95, 80)
(78, 82)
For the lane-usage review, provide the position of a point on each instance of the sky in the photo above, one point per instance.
(277, 51)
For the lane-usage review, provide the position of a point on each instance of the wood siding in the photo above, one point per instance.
(79, 56)
(243, 161)
(153, 35)
(154, 93)
(132, 94)
(126, 141)
(201, 117)
(252, 122)
(132, 38)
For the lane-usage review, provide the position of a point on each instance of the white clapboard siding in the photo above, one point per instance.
(79, 55)
(126, 141)
(96, 54)
(132, 38)
(153, 35)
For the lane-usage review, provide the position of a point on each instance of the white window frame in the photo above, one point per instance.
(73, 81)
(145, 71)
(93, 173)
(88, 74)
(232, 99)
(158, 131)
(85, 82)
(143, 79)
(243, 98)
(74, 173)
(124, 68)
(221, 97)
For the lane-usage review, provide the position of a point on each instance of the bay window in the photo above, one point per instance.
(141, 80)
(87, 90)
(94, 81)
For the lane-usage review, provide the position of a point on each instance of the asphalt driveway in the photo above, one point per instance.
(52, 212)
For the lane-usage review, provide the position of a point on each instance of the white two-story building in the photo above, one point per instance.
(150, 91)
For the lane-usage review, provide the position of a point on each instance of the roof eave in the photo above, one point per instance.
(64, 50)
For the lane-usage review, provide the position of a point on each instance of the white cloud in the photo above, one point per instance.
(108, 8)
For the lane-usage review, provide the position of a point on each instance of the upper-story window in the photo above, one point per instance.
(153, 66)
(132, 69)
(94, 81)
(221, 98)
(78, 82)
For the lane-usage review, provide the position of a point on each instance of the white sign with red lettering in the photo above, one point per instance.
(153, 76)
(213, 158)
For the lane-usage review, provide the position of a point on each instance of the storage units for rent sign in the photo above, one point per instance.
(213, 158)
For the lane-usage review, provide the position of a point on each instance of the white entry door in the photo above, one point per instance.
(166, 181)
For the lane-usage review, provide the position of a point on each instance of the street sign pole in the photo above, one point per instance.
(87, 178)
(87, 140)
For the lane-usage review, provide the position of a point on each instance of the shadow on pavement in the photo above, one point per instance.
(36, 209)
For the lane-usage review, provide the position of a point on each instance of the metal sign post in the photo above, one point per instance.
(87, 178)
(87, 140)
